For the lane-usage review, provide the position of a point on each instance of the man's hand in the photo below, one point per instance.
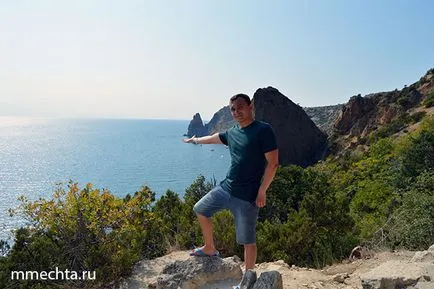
(261, 198)
(190, 140)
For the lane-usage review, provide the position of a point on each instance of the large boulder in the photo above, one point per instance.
(416, 273)
(299, 140)
(424, 256)
(249, 280)
(196, 272)
(398, 274)
(184, 273)
(269, 280)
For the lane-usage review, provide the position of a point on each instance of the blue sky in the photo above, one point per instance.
(171, 59)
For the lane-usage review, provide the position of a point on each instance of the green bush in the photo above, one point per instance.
(168, 210)
(285, 192)
(416, 117)
(85, 229)
(224, 234)
(412, 226)
(389, 129)
(403, 101)
(190, 235)
(320, 232)
(429, 101)
(419, 156)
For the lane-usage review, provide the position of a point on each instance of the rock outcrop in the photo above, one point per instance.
(426, 83)
(416, 273)
(299, 140)
(249, 279)
(400, 269)
(424, 256)
(362, 115)
(196, 127)
(184, 272)
(194, 273)
(191, 273)
(269, 280)
(355, 115)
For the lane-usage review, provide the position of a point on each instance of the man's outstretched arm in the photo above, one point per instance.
(210, 139)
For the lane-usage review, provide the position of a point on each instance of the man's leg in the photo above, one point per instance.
(206, 226)
(250, 255)
(249, 277)
(246, 214)
(210, 204)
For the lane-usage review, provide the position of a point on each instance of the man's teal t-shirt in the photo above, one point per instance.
(247, 147)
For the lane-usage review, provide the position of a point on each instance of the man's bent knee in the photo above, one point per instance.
(196, 208)
(202, 216)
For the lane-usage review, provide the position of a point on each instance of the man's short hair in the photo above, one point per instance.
(243, 96)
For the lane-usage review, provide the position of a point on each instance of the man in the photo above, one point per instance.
(254, 161)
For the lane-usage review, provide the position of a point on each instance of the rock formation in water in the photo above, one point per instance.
(196, 127)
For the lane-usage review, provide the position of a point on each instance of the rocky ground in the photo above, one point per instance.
(348, 274)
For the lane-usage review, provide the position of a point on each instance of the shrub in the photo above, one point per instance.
(168, 209)
(85, 229)
(190, 234)
(225, 235)
(403, 101)
(419, 156)
(416, 117)
(429, 101)
(285, 192)
(320, 232)
(412, 226)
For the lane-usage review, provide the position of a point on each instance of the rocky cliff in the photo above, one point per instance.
(299, 140)
(362, 116)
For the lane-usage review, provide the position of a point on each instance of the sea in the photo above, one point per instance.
(121, 155)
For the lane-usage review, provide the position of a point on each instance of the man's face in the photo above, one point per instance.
(240, 110)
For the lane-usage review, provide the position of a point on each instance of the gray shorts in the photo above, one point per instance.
(245, 213)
